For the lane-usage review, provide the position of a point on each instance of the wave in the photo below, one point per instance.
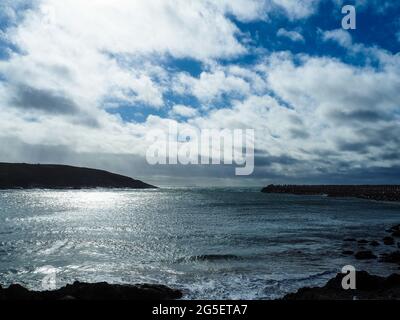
(316, 275)
(209, 257)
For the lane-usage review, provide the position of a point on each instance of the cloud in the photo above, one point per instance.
(327, 95)
(299, 9)
(179, 28)
(103, 54)
(43, 100)
(212, 85)
(292, 35)
(183, 111)
(340, 36)
(378, 6)
(71, 62)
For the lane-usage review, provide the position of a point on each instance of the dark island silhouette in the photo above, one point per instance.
(50, 176)
(371, 192)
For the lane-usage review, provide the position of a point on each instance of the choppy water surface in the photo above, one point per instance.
(213, 243)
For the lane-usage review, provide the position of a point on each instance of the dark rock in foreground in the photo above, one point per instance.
(374, 243)
(371, 192)
(393, 257)
(369, 287)
(395, 228)
(388, 241)
(365, 255)
(347, 252)
(93, 291)
(396, 234)
(29, 176)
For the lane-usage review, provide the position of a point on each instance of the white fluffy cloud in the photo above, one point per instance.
(342, 37)
(292, 35)
(183, 111)
(95, 52)
(76, 60)
(298, 9)
(322, 114)
(212, 85)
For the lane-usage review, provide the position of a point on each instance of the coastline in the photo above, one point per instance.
(368, 286)
(92, 291)
(368, 192)
(22, 176)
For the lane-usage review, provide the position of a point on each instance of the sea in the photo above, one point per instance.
(212, 243)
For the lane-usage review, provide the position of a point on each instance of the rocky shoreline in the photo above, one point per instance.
(369, 287)
(92, 291)
(365, 248)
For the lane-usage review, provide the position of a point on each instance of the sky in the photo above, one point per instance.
(84, 82)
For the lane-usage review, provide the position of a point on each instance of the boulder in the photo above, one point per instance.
(365, 255)
(395, 228)
(393, 257)
(347, 252)
(396, 234)
(388, 241)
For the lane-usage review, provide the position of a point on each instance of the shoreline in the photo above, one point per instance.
(389, 193)
(92, 292)
(369, 287)
(23, 176)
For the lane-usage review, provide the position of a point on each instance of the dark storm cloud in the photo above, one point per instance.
(395, 155)
(294, 119)
(357, 147)
(26, 97)
(379, 136)
(372, 175)
(264, 160)
(322, 153)
(296, 133)
(360, 116)
(339, 172)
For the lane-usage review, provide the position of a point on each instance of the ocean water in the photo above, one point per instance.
(212, 243)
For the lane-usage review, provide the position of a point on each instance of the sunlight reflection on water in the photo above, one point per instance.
(214, 243)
